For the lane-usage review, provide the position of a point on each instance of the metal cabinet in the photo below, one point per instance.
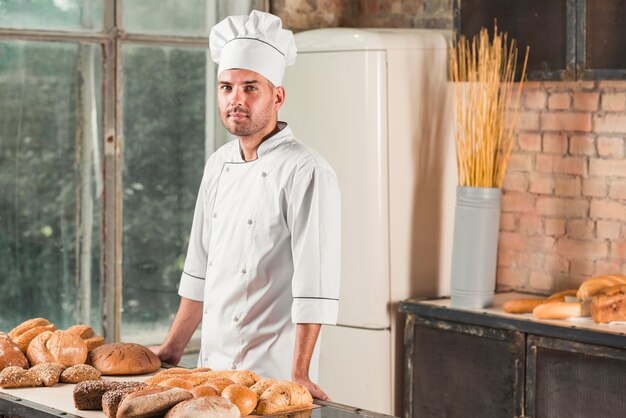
(479, 363)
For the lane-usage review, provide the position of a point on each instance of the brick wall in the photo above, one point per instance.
(564, 196)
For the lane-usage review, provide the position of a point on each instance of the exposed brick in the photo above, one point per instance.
(586, 101)
(555, 227)
(607, 266)
(594, 187)
(555, 264)
(530, 224)
(539, 243)
(507, 222)
(570, 208)
(517, 202)
(569, 85)
(608, 229)
(614, 102)
(598, 167)
(540, 280)
(583, 267)
(567, 187)
(530, 260)
(580, 229)
(541, 184)
(562, 165)
(519, 162)
(582, 249)
(610, 122)
(554, 143)
(512, 277)
(527, 121)
(617, 190)
(618, 249)
(529, 142)
(607, 209)
(534, 99)
(612, 147)
(612, 84)
(582, 145)
(515, 182)
(507, 258)
(512, 241)
(566, 121)
(559, 101)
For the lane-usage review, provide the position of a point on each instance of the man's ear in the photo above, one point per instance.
(279, 96)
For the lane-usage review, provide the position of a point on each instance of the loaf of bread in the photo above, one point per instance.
(62, 347)
(219, 383)
(82, 330)
(206, 406)
(590, 287)
(112, 399)
(609, 304)
(245, 377)
(151, 401)
(88, 394)
(10, 353)
(262, 385)
(560, 310)
(527, 305)
(284, 396)
(176, 382)
(123, 358)
(16, 377)
(49, 373)
(24, 333)
(80, 373)
(242, 397)
(204, 390)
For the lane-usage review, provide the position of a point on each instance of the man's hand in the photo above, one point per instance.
(315, 390)
(166, 354)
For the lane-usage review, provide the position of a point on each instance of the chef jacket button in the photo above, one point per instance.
(264, 174)
(227, 169)
(249, 221)
(215, 215)
(210, 263)
(243, 271)
(206, 359)
(236, 319)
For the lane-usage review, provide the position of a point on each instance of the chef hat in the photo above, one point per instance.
(257, 42)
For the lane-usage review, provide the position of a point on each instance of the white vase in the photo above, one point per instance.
(475, 247)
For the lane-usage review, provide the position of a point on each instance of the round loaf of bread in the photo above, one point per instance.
(123, 358)
(204, 390)
(242, 397)
(205, 406)
(10, 353)
(219, 383)
(62, 347)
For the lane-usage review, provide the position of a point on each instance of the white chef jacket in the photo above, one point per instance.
(264, 254)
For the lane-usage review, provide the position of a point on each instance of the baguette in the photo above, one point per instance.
(527, 305)
(153, 401)
(284, 396)
(206, 406)
(560, 310)
(592, 286)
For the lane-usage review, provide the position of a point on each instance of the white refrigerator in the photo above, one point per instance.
(377, 105)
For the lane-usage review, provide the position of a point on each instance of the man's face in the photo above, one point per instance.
(248, 102)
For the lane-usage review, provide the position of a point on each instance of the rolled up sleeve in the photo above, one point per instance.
(314, 218)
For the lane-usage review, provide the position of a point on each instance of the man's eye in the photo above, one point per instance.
(226, 88)
(250, 88)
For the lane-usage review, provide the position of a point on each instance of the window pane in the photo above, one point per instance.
(164, 93)
(64, 15)
(50, 183)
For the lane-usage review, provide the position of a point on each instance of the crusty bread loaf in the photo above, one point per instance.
(176, 382)
(24, 340)
(242, 397)
(16, 377)
(262, 385)
(206, 406)
(151, 401)
(62, 347)
(27, 326)
(111, 400)
(80, 373)
(560, 310)
(88, 394)
(10, 353)
(219, 383)
(245, 377)
(82, 330)
(49, 373)
(609, 304)
(284, 396)
(123, 358)
(94, 342)
(592, 286)
(527, 305)
(204, 390)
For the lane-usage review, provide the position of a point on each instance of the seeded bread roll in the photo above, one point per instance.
(49, 373)
(112, 399)
(123, 358)
(16, 377)
(10, 353)
(206, 406)
(80, 373)
(88, 394)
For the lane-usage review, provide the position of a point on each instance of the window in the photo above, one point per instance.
(107, 115)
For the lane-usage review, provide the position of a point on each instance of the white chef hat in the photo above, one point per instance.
(257, 42)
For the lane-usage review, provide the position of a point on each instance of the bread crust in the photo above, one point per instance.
(123, 359)
(152, 401)
(242, 397)
(559, 310)
(284, 396)
(609, 304)
(206, 406)
(11, 354)
(592, 286)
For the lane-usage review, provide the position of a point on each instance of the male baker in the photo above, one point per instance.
(263, 263)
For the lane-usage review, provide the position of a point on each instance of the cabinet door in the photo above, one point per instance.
(570, 379)
(460, 370)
